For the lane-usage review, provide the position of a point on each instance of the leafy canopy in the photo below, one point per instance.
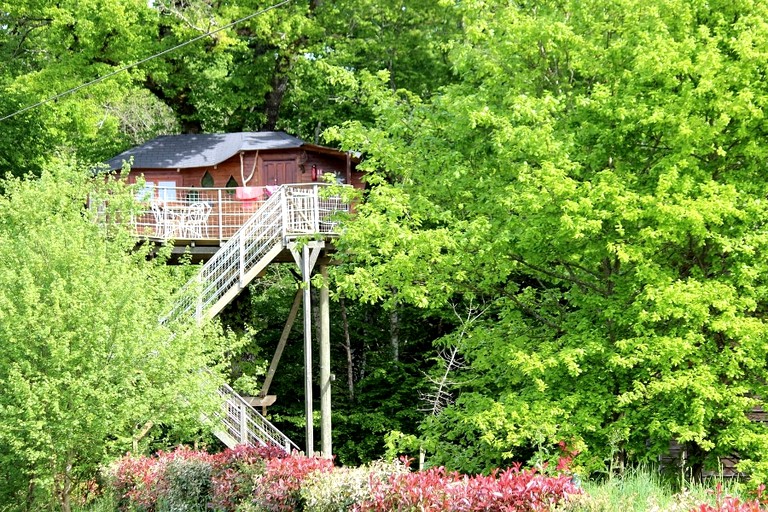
(85, 364)
(596, 176)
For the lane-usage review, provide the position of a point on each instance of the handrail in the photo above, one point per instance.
(246, 426)
(222, 272)
(228, 209)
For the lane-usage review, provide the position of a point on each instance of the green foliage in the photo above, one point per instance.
(50, 48)
(594, 176)
(290, 68)
(591, 172)
(85, 364)
(189, 485)
(345, 487)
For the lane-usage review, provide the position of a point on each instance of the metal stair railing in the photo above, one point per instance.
(245, 425)
(293, 210)
(226, 269)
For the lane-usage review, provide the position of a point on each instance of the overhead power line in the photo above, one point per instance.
(142, 61)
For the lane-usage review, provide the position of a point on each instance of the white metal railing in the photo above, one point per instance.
(244, 425)
(196, 213)
(188, 213)
(291, 211)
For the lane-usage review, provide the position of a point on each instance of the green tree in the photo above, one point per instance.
(289, 68)
(85, 364)
(596, 176)
(49, 48)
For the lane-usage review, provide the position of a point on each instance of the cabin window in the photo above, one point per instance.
(147, 193)
(231, 185)
(166, 190)
(207, 181)
(160, 190)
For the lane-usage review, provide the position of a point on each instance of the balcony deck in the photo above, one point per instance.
(198, 221)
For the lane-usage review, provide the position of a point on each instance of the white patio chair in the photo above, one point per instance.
(161, 225)
(328, 208)
(196, 220)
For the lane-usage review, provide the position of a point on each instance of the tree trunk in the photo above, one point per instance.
(62, 485)
(394, 334)
(348, 348)
(274, 99)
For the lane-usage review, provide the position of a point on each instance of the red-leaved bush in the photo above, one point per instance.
(732, 504)
(435, 489)
(236, 474)
(141, 482)
(134, 480)
(280, 487)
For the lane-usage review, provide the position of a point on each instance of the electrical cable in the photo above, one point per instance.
(142, 61)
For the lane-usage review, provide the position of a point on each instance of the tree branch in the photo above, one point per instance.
(570, 278)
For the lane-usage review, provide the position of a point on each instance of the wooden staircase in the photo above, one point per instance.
(291, 213)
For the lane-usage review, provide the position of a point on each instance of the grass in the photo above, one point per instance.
(643, 490)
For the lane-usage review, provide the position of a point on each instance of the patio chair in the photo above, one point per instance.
(327, 210)
(161, 225)
(196, 221)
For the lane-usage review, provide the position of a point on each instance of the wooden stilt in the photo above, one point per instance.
(305, 275)
(325, 367)
(281, 344)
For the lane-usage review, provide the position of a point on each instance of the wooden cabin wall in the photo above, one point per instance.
(357, 180)
(299, 163)
(298, 160)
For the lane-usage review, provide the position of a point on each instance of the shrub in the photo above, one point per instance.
(279, 489)
(236, 473)
(247, 479)
(516, 489)
(143, 483)
(135, 482)
(187, 484)
(345, 488)
(435, 489)
(732, 504)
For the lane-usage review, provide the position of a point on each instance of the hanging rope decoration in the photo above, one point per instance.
(242, 168)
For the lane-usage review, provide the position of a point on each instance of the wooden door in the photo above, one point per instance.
(280, 172)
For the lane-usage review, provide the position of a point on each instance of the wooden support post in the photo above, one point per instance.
(281, 344)
(349, 169)
(306, 261)
(325, 368)
(305, 274)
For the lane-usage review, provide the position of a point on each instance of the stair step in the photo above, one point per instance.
(260, 401)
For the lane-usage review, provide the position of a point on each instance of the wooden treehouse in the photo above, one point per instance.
(240, 202)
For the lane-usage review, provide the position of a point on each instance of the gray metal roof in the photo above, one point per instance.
(200, 150)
